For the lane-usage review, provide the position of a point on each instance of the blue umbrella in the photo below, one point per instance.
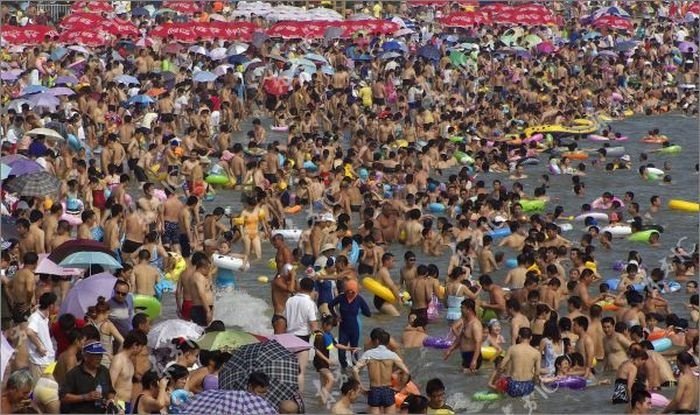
(140, 99)
(88, 259)
(429, 52)
(34, 89)
(127, 80)
(10, 75)
(392, 46)
(44, 100)
(626, 45)
(610, 11)
(315, 57)
(67, 80)
(389, 55)
(140, 11)
(237, 59)
(4, 171)
(58, 53)
(20, 165)
(591, 35)
(204, 76)
(328, 70)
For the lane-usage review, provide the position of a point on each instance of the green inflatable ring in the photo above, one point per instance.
(486, 396)
(642, 236)
(216, 179)
(532, 205)
(147, 304)
(488, 315)
(671, 149)
(463, 158)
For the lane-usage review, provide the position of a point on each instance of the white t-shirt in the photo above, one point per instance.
(300, 311)
(40, 325)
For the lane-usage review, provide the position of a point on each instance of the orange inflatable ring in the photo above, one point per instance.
(608, 306)
(576, 155)
(292, 209)
(656, 335)
(655, 140)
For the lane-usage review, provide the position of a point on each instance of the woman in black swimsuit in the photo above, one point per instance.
(154, 396)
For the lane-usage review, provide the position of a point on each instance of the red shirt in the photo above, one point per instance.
(61, 337)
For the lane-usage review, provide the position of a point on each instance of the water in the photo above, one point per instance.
(250, 308)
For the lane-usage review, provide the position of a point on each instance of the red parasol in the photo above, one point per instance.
(98, 6)
(89, 38)
(494, 8)
(120, 28)
(526, 17)
(27, 35)
(276, 86)
(465, 19)
(292, 30)
(81, 19)
(179, 32)
(613, 22)
(184, 7)
(441, 3)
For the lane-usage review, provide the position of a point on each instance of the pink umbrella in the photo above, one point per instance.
(47, 266)
(545, 48)
(291, 342)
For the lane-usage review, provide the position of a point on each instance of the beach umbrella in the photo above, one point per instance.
(85, 292)
(163, 332)
(271, 358)
(392, 46)
(88, 259)
(530, 41)
(33, 89)
(140, 99)
(140, 12)
(458, 58)
(327, 69)
(16, 104)
(687, 47)
(610, 11)
(613, 22)
(545, 48)
(429, 52)
(20, 165)
(389, 55)
(465, 19)
(217, 53)
(198, 49)
(276, 86)
(127, 80)
(67, 80)
(61, 90)
(235, 60)
(608, 54)
(316, 58)
(84, 245)
(6, 352)
(332, 32)
(79, 49)
(39, 184)
(218, 401)
(222, 69)
(48, 267)
(291, 342)
(626, 45)
(44, 100)
(237, 48)
(183, 6)
(10, 75)
(591, 35)
(404, 32)
(46, 132)
(204, 76)
(4, 171)
(173, 48)
(226, 340)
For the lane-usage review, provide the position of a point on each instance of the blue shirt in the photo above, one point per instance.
(37, 149)
(349, 311)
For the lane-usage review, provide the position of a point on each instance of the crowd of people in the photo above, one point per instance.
(383, 141)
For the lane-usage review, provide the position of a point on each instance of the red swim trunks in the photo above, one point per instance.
(186, 310)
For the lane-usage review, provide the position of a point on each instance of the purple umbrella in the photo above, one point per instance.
(67, 80)
(85, 291)
(60, 90)
(687, 47)
(10, 75)
(291, 342)
(545, 48)
(44, 100)
(20, 165)
(47, 266)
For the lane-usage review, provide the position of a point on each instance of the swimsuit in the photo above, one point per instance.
(186, 310)
(129, 246)
(467, 360)
(171, 233)
(517, 388)
(199, 315)
(381, 397)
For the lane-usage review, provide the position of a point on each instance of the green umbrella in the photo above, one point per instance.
(226, 340)
(530, 41)
(458, 58)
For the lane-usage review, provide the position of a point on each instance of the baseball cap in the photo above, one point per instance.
(94, 348)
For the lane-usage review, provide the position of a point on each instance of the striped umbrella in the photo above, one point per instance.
(37, 184)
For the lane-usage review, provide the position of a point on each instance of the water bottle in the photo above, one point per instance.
(98, 403)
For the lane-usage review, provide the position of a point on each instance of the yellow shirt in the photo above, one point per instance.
(366, 94)
(377, 10)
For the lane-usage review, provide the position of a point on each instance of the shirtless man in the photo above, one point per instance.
(515, 279)
(185, 287)
(413, 333)
(487, 260)
(121, 370)
(62, 235)
(585, 344)
(384, 278)
(23, 284)
(615, 344)
(202, 294)
(50, 225)
(350, 392)
(518, 319)
(469, 334)
(685, 401)
(27, 241)
(284, 283)
(37, 219)
(516, 240)
(414, 229)
(421, 295)
(581, 289)
(151, 207)
(595, 330)
(171, 222)
(522, 363)
(380, 362)
(145, 274)
(408, 271)
(497, 300)
(212, 227)
(112, 228)
(135, 230)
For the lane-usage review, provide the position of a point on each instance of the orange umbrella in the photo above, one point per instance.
(154, 92)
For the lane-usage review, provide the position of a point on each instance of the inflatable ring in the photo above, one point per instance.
(662, 344)
(642, 236)
(683, 205)
(217, 179)
(436, 207)
(656, 335)
(575, 155)
(571, 382)
(511, 263)
(378, 289)
(437, 342)
(229, 262)
(147, 304)
(659, 401)
(180, 265)
(674, 149)
(272, 264)
(263, 279)
(655, 140)
(292, 209)
(608, 306)
(535, 205)
(225, 278)
(489, 353)
(486, 396)
(500, 232)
